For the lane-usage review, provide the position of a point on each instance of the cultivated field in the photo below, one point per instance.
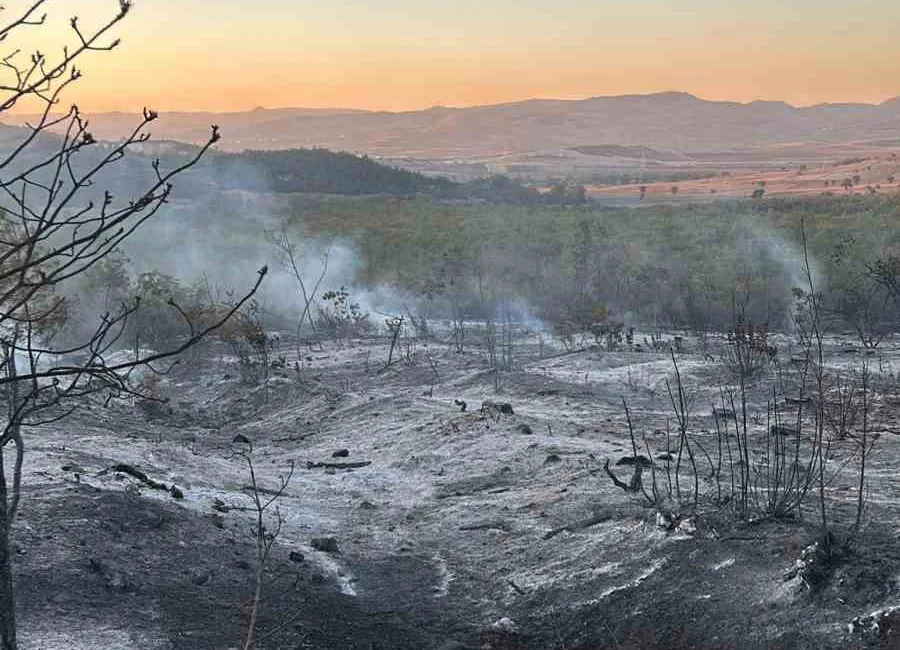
(866, 175)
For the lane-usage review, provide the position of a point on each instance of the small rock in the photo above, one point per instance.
(296, 556)
(666, 520)
(552, 458)
(325, 544)
(882, 624)
(199, 576)
(341, 453)
(367, 505)
(687, 526)
(505, 624)
(524, 429)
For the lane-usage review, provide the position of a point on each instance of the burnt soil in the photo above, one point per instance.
(448, 533)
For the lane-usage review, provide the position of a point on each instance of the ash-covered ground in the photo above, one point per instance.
(480, 528)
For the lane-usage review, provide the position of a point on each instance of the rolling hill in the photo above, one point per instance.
(671, 123)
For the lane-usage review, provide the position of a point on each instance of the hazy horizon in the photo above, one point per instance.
(404, 56)
(337, 108)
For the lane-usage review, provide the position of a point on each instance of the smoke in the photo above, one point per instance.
(780, 267)
(224, 248)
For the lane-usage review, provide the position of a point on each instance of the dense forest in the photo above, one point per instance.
(689, 266)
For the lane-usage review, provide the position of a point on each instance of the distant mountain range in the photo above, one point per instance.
(672, 123)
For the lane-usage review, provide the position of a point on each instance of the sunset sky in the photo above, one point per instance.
(407, 54)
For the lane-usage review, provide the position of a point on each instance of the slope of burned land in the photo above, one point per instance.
(493, 529)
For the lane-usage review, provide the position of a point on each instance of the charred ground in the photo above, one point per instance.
(460, 521)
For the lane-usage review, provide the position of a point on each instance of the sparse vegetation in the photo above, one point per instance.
(743, 483)
(56, 228)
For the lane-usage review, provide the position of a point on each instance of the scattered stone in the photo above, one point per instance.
(882, 624)
(552, 458)
(296, 556)
(525, 429)
(816, 563)
(505, 624)
(341, 453)
(687, 526)
(367, 505)
(667, 520)
(325, 544)
(200, 576)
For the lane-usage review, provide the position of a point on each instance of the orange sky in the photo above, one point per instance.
(409, 54)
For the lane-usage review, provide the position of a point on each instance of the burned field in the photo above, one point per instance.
(582, 498)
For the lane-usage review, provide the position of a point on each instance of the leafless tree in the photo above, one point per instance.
(56, 222)
(264, 535)
(291, 260)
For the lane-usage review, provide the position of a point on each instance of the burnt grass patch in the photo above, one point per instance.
(142, 564)
(457, 520)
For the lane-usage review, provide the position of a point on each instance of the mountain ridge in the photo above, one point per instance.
(674, 121)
